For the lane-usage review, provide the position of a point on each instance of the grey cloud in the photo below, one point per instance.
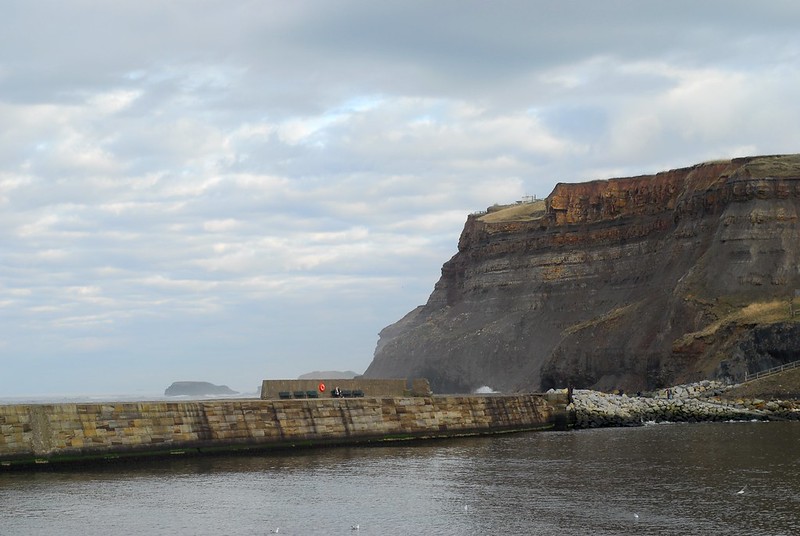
(260, 180)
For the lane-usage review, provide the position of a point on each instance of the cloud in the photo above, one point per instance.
(257, 188)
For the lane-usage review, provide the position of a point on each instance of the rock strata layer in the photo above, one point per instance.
(632, 283)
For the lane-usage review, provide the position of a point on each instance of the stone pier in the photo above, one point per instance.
(60, 433)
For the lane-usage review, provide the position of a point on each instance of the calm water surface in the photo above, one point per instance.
(678, 479)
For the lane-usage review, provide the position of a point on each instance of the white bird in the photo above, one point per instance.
(636, 516)
(466, 508)
(354, 527)
(741, 491)
(275, 530)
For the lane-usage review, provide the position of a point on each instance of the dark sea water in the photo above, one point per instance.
(679, 479)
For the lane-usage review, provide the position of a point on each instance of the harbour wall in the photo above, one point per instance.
(324, 388)
(42, 434)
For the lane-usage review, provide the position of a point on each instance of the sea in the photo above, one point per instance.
(659, 479)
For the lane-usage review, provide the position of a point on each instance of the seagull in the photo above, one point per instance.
(275, 531)
(466, 508)
(741, 491)
(354, 527)
(636, 516)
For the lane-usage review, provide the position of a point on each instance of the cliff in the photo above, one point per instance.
(630, 283)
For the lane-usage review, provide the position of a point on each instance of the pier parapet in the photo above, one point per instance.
(271, 389)
(36, 434)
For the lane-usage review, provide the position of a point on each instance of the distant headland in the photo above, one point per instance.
(191, 388)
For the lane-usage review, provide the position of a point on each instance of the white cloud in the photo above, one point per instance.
(221, 226)
(293, 184)
(113, 101)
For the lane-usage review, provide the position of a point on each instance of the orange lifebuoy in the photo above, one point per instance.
(322, 388)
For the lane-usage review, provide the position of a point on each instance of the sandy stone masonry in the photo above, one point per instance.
(67, 432)
(368, 387)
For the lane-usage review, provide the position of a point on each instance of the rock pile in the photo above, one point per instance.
(699, 402)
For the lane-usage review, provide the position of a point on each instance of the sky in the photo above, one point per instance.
(230, 191)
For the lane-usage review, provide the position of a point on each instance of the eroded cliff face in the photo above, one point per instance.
(631, 283)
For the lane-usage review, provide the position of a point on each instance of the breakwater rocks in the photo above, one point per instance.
(699, 402)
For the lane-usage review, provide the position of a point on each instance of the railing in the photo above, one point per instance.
(773, 370)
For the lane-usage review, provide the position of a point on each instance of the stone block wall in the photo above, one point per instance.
(392, 387)
(65, 432)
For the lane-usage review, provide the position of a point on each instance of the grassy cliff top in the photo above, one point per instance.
(775, 166)
(515, 212)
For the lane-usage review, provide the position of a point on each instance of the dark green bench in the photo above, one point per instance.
(312, 394)
(299, 394)
(285, 394)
